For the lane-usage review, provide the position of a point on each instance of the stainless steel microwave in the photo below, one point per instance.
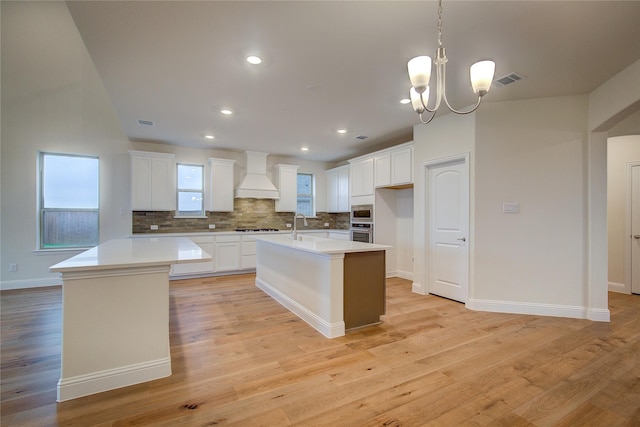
(362, 213)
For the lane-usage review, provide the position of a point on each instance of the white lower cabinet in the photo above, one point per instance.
(227, 253)
(207, 244)
(248, 252)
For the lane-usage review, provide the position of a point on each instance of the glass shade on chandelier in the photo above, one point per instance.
(480, 73)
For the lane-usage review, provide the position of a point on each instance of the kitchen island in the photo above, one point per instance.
(333, 285)
(115, 313)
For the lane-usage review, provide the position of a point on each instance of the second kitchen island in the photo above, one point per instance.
(333, 285)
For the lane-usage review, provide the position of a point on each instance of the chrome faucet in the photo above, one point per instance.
(294, 233)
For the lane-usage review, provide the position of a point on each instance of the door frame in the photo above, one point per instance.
(627, 246)
(427, 165)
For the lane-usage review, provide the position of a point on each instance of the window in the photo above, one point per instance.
(190, 190)
(69, 201)
(306, 205)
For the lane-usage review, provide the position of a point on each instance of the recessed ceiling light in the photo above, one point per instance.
(226, 111)
(405, 101)
(342, 131)
(209, 136)
(255, 60)
(305, 149)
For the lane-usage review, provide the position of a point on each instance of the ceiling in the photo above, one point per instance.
(330, 65)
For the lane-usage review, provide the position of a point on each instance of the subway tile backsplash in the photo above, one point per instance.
(247, 213)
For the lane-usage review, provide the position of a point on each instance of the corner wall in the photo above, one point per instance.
(52, 100)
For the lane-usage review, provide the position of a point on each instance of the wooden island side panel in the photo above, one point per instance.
(364, 288)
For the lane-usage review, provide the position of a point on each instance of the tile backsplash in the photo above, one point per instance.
(247, 213)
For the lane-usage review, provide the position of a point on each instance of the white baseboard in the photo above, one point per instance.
(408, 275)
(618, 287)
(416, 288)
(6, 285)
(96, 382)
(329, 330)
(555, 310)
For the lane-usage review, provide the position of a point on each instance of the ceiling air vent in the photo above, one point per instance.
(361, 137)
(146, 122)
(508, 79)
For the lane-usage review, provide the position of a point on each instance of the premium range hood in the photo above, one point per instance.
(255, 184)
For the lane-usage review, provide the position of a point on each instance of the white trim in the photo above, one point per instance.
(417, 288)
(329, 330)
(109, 379)
(403, 274)
(465, 157)
(6, 285)
(618, 287)
(627, 231)
(555, 310)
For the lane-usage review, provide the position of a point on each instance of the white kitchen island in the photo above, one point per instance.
(333, 285)
(115, 313)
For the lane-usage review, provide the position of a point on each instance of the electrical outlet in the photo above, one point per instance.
(212, 226)
(13, 268)
(288, 225)
(154, 227)
(326, 224)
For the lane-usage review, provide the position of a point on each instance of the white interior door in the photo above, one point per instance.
(448, 230)
(635, 229)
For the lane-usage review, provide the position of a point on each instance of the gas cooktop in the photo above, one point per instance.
(246, 230)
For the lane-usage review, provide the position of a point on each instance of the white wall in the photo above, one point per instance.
(620, 150)
(52, 100)
(404, 233)
(445, 136)
(532, 152)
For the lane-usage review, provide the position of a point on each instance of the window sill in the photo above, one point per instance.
(60, 250)
(190, 216)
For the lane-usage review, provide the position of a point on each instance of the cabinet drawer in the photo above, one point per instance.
(227, 238)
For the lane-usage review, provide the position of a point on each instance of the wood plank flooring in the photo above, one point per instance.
(240, 359)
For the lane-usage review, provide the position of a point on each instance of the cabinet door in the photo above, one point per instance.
(221, 188)
(382, 170)
(287, 179)
(332, 191)
(402, 166)
(140, 183)
(163, 195)
(362, 178)
(152, 181)
(343, 189)
(227, 256)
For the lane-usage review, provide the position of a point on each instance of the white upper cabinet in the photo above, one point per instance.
(221, 188)
(394, 166)
(285, 177)
(362, 177)
(338, 189)
(152, 181)
(382, 168)
(402, 166)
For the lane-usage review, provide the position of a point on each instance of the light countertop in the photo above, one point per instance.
(139, 252)
(239, 233)
(321, 245)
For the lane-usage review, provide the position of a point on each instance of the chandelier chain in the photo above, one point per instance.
(440, 23)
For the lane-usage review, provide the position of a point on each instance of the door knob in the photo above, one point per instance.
(636, 236)
(464, 240)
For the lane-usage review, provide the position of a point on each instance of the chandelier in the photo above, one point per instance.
(481, 74)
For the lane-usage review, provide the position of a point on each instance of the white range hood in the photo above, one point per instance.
(255, 184)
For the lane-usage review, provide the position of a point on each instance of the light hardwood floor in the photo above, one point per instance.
(239, 358)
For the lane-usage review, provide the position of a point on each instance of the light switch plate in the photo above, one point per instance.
(154, 227)
(212, 226)
(511, 207)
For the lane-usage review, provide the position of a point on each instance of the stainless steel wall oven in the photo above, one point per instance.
(362, 232)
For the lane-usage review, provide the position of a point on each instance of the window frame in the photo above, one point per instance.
(203, 212)
(312, 196)
(42, 209)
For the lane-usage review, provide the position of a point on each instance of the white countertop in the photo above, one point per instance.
(321, 245)
(139, 252)
(239, 233)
